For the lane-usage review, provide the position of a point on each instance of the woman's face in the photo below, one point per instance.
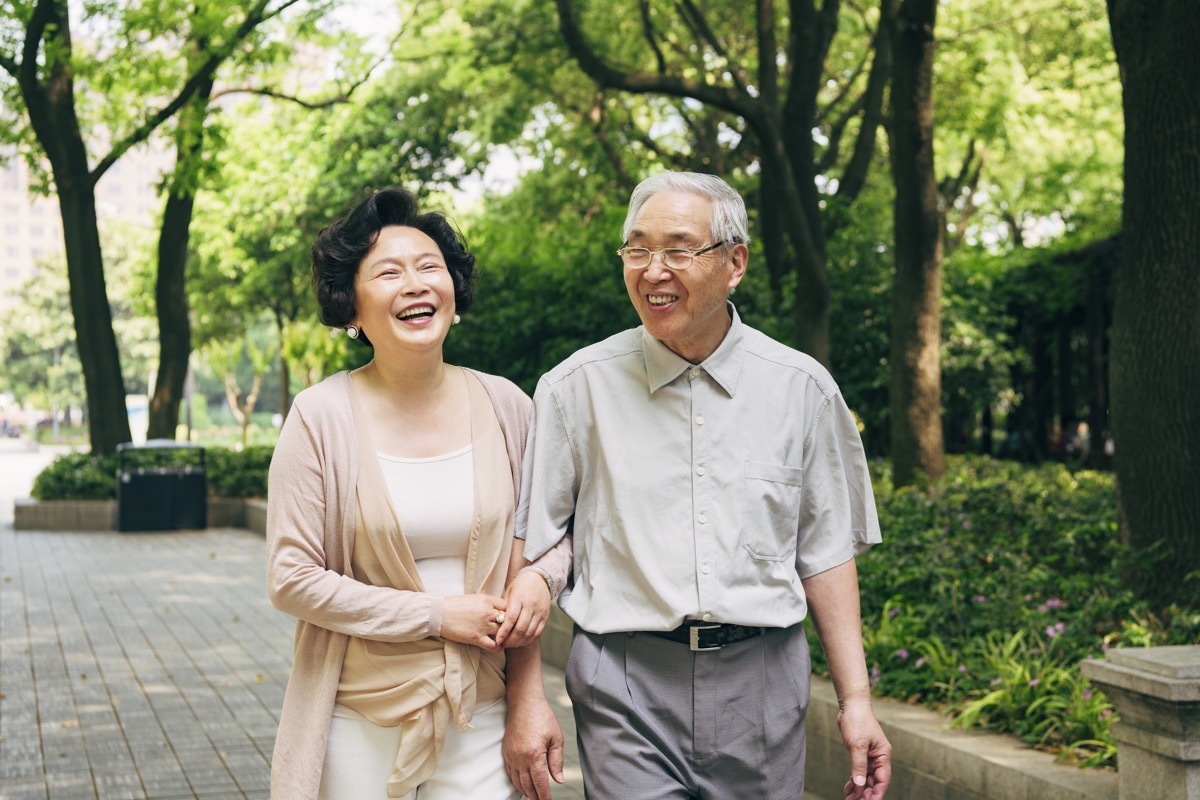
(403, 292)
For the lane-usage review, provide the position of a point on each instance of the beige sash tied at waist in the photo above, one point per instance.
(422, 685)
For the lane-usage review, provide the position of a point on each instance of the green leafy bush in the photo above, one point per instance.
(234, 473)
(84, 476)
(990, 587)
(77, 476)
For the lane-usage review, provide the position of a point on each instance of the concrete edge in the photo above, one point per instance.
(101, 515)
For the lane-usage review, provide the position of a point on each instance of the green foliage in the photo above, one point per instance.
(229, 472)
(239, 473)
(77, 476)
(550, 281)
(992, 584)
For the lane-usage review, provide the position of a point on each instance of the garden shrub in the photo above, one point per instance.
(234, 473)
(84, 476)
(77, 476)
(991, 585)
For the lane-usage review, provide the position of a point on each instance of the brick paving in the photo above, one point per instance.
(147, 666)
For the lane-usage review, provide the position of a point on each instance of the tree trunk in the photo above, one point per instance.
(1097, 316)
(174, 329)
(108, 418)
(170, 289)
(50, 103)
(1156, 327)
(916, 377)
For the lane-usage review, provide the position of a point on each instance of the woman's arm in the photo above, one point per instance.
(300, 580)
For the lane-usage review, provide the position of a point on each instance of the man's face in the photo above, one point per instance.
(683, 309)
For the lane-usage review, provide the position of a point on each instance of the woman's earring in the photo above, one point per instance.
(457, 319)
(352, 331)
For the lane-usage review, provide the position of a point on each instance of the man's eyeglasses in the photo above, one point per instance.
(676, 258)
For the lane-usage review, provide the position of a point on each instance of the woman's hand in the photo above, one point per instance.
(474, 619)
(528, 599)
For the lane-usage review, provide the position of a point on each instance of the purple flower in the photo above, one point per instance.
(893, 611)
(1035, 681)
(1106, 713)
(980, 598)
(1054, 630)
(1087, 694)
(962, 668)
(919, 662)
(902, 655)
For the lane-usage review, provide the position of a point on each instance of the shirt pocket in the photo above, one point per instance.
(771, 510)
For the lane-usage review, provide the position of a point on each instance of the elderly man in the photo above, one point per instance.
(717, 492)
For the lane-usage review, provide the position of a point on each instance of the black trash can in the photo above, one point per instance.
(162, 485)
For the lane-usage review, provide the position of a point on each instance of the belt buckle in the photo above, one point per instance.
(694, 638)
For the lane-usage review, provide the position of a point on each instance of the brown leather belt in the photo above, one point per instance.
(702, 636)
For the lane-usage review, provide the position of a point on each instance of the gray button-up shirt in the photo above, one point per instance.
(693, 491)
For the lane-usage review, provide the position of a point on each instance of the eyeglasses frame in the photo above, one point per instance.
(661, 253)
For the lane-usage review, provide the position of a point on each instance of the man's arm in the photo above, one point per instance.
(834, 605)
(533, 740)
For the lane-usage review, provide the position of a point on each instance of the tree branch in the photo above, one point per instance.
(768, 45)
(644, 82)
(648, 32)
(694, 19)
(204, 72)
(836, 131)
(854, 177)
(596, 116)
(310, 104)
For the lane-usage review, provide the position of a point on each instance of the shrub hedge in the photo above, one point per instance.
(83, 476)
(991, 585)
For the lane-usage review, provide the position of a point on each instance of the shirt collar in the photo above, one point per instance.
(724, 365)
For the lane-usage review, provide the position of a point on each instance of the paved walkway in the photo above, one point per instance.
(146, 666)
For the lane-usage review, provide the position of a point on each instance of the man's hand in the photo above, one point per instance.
(528, 599)
(533, 747)
(870, 752)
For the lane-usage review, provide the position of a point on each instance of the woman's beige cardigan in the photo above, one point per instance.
(311, 513)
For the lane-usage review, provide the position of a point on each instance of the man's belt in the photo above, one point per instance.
(701, 636)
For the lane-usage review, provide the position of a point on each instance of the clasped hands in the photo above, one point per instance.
(495, 623)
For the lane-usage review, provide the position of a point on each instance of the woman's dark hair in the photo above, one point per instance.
(341, 247)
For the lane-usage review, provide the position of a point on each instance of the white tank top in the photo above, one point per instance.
(434, 499)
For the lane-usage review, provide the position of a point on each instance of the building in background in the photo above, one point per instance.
(31, 227)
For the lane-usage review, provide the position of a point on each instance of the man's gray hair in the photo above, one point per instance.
(728, 209)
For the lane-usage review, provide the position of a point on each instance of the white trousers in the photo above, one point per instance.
(360, 757)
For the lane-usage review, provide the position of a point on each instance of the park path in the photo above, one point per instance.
(144, 665)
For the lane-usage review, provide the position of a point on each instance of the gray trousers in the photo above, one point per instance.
(656, 721)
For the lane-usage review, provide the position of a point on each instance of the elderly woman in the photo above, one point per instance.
(390, 533)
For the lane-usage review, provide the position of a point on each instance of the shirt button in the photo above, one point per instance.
(707, 617)
(704, 568)
(699, 420)
(699, 470)
(702, 519)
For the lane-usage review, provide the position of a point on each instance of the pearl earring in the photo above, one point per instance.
(457, 319)
(352, 331)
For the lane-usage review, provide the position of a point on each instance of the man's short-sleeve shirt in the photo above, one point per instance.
(694, 491)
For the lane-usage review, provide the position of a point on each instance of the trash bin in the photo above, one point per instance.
(161, 486)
